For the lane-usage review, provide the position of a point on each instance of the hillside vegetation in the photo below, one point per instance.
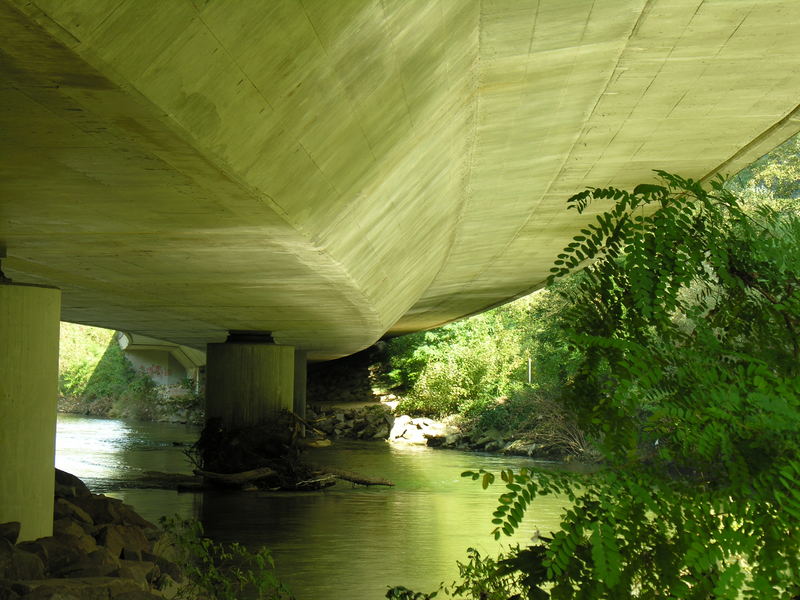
(503, 372)
(96, 379)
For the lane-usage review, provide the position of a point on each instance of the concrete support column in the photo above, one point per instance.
(29, 330)
(300, 381)
(247, 383)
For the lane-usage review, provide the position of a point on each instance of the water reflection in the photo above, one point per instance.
(108, 453)
(90, 448)
(346, 542)
(353, 542)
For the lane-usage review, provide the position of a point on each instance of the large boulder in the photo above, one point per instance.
(167, 567)
(85, 543)
(77, 532)
(63, 508)
(10, 531)
(143, 572)
(69, 486)
(16, 563)
(100, 563)
(119, 538)
(407, 430)
(104, 559)
(100, 508)
(56, 552)
(422, 431)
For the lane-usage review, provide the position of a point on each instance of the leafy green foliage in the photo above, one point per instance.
(687, 317)
(217, 571)
(95, 377)
(493, 579)
(93, 372)
(773, 178)
(695, 319)
(400, 592)
(487, 578)
(478, 367)
(459, 368)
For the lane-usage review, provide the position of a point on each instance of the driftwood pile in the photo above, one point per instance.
(266, 457)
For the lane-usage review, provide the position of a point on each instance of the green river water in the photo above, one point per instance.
(342, 543)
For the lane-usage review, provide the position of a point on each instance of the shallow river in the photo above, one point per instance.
(344, 542)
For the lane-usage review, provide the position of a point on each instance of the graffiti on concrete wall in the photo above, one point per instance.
(155, 370)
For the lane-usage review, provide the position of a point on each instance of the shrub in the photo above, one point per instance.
(139, 398)
(459, 368)
(469, 367)
(216, 571)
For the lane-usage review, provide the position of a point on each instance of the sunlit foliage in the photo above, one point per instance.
(465, 367)
(687, 317)
(459, 368)
(774, 177)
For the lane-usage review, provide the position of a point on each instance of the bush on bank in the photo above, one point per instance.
(478, 368)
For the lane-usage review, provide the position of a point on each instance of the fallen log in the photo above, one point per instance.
(321, 476)
(323, 481)
(237, 478)
(354, 477)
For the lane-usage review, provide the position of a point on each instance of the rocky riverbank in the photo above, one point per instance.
(450, 432)
(377, 421)
(100, 549)
(363, 421)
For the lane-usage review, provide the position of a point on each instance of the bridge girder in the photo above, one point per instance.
(333, 171)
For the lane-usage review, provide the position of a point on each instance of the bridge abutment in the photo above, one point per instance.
(247, 383)
(29, 331)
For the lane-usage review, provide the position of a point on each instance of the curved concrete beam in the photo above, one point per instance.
(333, 171)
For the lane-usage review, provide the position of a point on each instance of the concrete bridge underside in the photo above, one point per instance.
(334, 171)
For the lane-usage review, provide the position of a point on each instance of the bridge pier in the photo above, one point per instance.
(300, 381)
(29, 331)
(248, 382)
